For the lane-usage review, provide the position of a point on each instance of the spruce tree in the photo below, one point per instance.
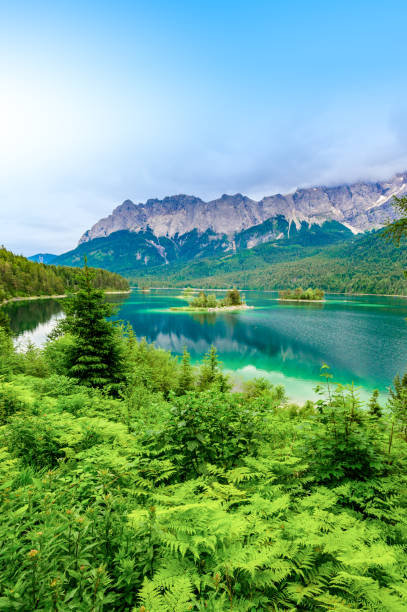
(95, 357)
(398, 403)
(210, 372)
(375, 410)
(186, 379)
(233, 298)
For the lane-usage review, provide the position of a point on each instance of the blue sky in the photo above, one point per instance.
(103, 101)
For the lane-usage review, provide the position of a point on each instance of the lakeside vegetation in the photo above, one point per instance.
(308, 295)
(20, 277)
(131, 480)
(232, 301)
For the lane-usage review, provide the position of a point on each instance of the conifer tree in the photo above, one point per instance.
(95, 358)
(397, 229)
(398, 403)
(233, 298)
(186, 379)
(211, 373)
(375, 409)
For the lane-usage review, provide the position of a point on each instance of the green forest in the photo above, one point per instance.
(20, 277)
(132, 481)
(365, 264)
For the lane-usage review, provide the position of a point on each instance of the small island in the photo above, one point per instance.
(209, 303)
(299, 295)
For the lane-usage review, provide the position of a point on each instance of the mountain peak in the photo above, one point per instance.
(361, 205)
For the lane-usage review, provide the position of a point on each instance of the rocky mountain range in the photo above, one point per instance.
(360, 207)
(182, 228)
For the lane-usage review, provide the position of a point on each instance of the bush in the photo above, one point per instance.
(32, 362)
(341, 440)
(75, 404)
(154, 368)
(211, 428)
(56, 354)
(10, 402)
(35, 441)
(7, 354)
(58, 385)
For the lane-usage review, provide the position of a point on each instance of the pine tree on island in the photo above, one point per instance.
(233, 298)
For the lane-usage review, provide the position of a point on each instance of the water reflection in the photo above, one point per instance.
(37, 336)
(27, 316)
(363, 339)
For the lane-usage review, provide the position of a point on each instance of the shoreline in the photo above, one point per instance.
(212, 309)
(400, 295)
(52, 297)
(300, 300)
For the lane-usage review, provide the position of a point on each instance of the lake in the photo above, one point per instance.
(362, 338)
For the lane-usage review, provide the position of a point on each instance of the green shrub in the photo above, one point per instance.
(35, 441)
(56, 354)
(32, 362)
(58, 385)
(7, 354)
(341, 440)
(10, 402)
(76, 403)
(210, 428)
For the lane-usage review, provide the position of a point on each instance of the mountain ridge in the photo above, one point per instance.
(359, 206)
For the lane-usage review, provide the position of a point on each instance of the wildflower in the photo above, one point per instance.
(53, 582)
(33, 553)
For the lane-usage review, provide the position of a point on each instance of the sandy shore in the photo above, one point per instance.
(229, 308)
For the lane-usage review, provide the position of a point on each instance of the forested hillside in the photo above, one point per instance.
(133, 482)
(130, 253)
(20, 277)
(366, 264)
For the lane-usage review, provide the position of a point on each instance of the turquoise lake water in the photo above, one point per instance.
(363, 339)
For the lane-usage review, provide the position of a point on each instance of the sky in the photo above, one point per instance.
(106, 101)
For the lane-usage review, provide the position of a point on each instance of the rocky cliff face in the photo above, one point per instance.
(360, 207)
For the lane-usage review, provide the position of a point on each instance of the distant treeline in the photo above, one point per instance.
(20, 277)
(365, 264)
